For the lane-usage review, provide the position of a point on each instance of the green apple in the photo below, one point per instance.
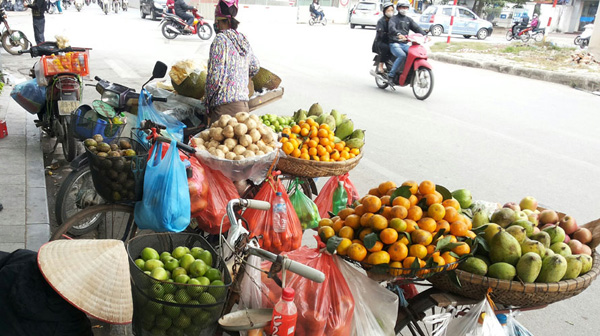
(186, 261)
(152, 264)
(192, 311)
(158, 332)
(157, 291)
(165, 256)
(172, 311)
(182, 321)
(464, 197)
(169, 288)
(178, 252)
(196, 251)
(217, 289)
(174, 331)
(195, 290)
(182, 296)
(169, 297)
(202, 318)
(154, 308)
(198, 268)
(178, 271)
(207, 257)
(149, 253)
(159, 273)
(171, 264)
(182, 278)
(140, 263)
(162, 322)
(213, 274)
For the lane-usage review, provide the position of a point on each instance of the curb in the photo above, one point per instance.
(588, 83)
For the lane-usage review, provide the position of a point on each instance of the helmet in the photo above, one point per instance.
(535, 15)
(387, 5)
(402, 3)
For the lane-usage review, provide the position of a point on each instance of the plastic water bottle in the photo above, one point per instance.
(340, 198)
(279, 214)
(502, 318)
(284, 315)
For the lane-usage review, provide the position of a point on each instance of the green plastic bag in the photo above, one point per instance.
(305, 208)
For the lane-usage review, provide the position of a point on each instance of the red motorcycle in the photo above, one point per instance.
(173, 25)
(417, 71)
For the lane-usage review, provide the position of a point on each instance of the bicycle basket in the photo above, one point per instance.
(385, 272)
(118, 175)
(167, 305)
(86, 123)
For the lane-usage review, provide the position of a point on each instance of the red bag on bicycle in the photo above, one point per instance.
(220, 191)
(324, 200)
(261, 222)
(198, 186)
(324, 309)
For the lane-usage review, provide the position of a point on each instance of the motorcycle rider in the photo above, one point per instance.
(315, 8)
(535, 22)
(398, 28)
(520, 25)
(381, 45)
(181, 9)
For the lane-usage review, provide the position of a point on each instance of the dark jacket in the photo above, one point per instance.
(381, 34)
(402, 24)
(29, 306)
(38, 7)
(181, 7)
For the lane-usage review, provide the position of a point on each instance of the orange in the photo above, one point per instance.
(413, 200)
(397, 224)
(356, 252)
(296, 153)
(296, 129)
(379, 257)
(338, 225)
(359, 210)
(364, 232)
(452, 239)
(432, 199)
(372, 203)
(431, 250)
(443, 225)
(287, 147)
(345, 213)
(312, 151)
(364, 219)
(414, 186)
(439, 260)
(378, 222)
(411, 225)
(427, 187)
(467, 221)
(325, 127)
(325, 222)
(304, 131)
(374, 192)
(448, 258)
(415, 213)
(346, 232)
(436, 211)
(388, 236)
(385, 200)
(451, 203)
(326, 232)
(399, 212)
(377, 247)
(387, 212)
(427, 224)
(462, 249)
(356, 151)
(471, 234)
(357, 241)
(398, 251)
(407, 263)
(421, 237)
(451, 215)
(305, 156)
(395, 268)
(417, 250)
(402, 201)
(342, 248)
(353, 221)
(322, 133)
(385, 186)
(403, 240)
(459, 229)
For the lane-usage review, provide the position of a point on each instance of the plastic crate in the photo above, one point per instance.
(73, 62)
(152, 311)
(86, 123)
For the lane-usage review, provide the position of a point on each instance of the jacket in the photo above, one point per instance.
(38, 7)
(402, 24)
(230, 66)
(381, 34)
(181, 7)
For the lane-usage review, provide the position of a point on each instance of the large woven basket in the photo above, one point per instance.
(516, 293)
(308, 168)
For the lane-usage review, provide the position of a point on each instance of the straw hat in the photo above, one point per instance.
(93, 275)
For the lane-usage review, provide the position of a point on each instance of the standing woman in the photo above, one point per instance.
(381, 45)
(38, 7)
(230, 66)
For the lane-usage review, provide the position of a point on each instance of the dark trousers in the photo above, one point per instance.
(38, 29)
(383, 51)
(189, 18)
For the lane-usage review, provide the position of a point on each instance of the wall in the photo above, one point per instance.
(134, 3)
(594, 46)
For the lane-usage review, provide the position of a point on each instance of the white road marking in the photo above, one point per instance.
(122, 69)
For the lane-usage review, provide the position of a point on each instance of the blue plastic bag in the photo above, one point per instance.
(165, 206)
(29, 95)
(146, 110)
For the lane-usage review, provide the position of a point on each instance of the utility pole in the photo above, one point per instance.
(549, 21)
(452, 22)
(594, 46)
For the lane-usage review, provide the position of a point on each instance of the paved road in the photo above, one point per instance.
(501, 136)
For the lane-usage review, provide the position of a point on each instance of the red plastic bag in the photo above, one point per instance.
(325, 199)
(324, 309)
(220, 191)
(198, 188)
(261, 222)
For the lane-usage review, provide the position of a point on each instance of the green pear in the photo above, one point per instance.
(542, 237)
(587, 263)
(504, 217)
(574, 266)
(518, 232)
(480, 218)
(534, 246)
(490, 231)
(561, 248)
(502, 270)
(505, 248)
(529, 266)
(553, 269)
(527, 225)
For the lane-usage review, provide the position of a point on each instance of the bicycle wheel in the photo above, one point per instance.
(116, 223)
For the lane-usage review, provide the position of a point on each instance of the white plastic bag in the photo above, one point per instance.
(375, 308)
(513, 327)
(479, 321)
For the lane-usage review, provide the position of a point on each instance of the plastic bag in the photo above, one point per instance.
(29, 95)
(40, 76)
(305, 208)
(165, 206)
(325, 199)
(182, 108)
(220, 191)
(198, 186)
(375, 307)
(479, 321)
(323, 308)
(261, 222)
(146, 110)
(513, 327)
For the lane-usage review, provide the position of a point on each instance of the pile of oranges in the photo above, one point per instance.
(393, 221)
(310, 141)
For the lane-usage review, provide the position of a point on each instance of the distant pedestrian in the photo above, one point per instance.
(59, 6)
(38, 7)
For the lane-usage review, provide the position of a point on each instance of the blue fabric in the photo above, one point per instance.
(29, 95)
(165, 206)
(400, 50)
(146, 110)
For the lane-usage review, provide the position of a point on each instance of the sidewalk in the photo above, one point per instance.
(24, 220)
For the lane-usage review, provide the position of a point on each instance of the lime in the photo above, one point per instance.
(202, 318)
(153, 308)
(158, 332)
(182, 278)
(140, 263)
(186, 261)
(196, 251)
(169, 298)
(149, 253)
(207, 257)
(178, 252)
(159, 273)
(165, 256)
(178, 271)
(169, 288)
(174, 331)
(192, 311)
(198, 268)
(172, 311)
(194, 290)
(152, 264)
(171, 264)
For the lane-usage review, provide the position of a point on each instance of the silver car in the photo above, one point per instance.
(436, 19)
(367, 13)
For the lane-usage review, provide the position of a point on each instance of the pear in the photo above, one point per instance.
(543, 237)
(553, 269)
(527, 225)
(557, 234)
(490, 231)
(518, 232)
(502, 270)
(529, 266)
(533, 246)
(574, 266)
(504, 217)
(505, 248)
(561, 248)
(315, 110)
(587, 263)
(338, 118)
(480, 218)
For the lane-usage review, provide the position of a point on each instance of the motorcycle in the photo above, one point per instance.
(125, 4)
(173, 25)
(583, 40)
(79, 4)
(417, 71)
(13, 41)
(313, 19)
(523, 35)
(63, 95)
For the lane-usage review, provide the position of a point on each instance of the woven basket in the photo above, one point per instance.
(308, 168)
(515, 293)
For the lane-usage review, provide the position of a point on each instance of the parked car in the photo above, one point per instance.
(436, 19)
(154, 8)
(367, 13)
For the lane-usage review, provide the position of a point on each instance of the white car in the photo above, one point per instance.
(367, 13)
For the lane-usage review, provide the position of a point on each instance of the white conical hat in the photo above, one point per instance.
(93, 275)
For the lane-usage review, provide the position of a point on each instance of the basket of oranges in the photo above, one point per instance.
(415, 230)
(311, 149)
